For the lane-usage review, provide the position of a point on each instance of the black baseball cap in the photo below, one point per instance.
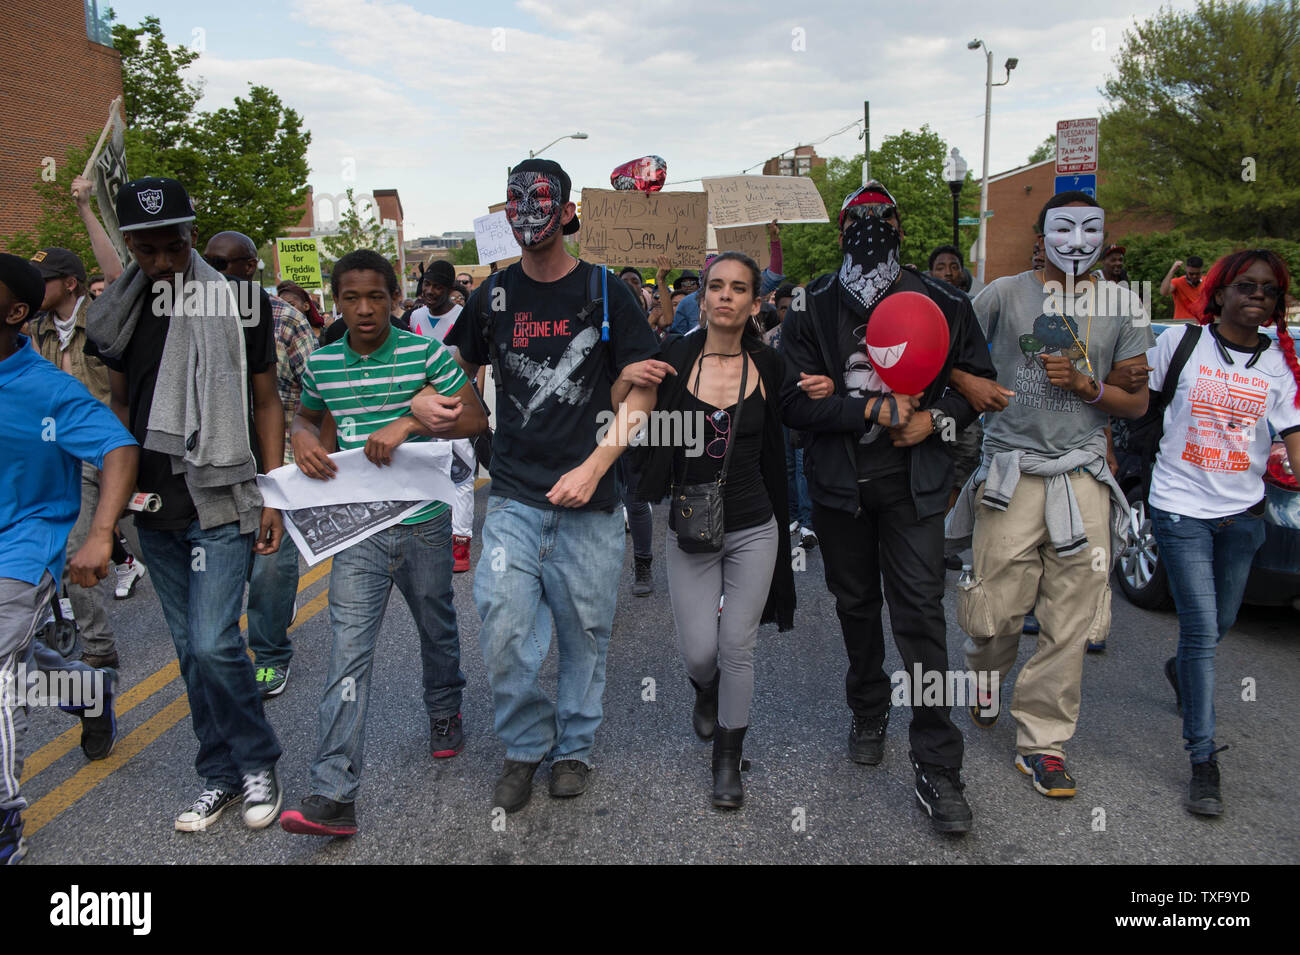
(55, 263)
(440, 271)
(152, 202)
(549, 167)
(24, 280)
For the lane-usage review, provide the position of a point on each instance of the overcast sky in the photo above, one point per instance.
(437, 100)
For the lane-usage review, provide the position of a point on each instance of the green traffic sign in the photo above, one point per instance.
(968, 220)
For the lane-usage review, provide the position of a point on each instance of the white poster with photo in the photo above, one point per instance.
(362, 499)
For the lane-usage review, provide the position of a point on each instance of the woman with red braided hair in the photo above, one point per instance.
(1207, 493)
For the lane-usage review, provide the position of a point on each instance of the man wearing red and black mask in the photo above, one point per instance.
(879, 477)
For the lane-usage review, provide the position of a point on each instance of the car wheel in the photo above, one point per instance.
(1141, 575)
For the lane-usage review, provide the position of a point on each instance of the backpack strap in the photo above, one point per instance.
(1191, 335)
(485, 323)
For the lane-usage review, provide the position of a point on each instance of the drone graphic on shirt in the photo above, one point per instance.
(861, 379)
(553, 383)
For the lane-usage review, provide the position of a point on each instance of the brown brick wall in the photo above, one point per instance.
(55, 87)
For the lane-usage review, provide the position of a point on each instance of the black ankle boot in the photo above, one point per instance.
(728, 791)
(705, 715)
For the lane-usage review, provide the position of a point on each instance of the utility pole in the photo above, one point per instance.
(866, 144)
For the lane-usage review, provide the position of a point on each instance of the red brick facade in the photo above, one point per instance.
(55, 87)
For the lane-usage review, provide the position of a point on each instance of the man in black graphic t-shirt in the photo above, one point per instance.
(551, 534)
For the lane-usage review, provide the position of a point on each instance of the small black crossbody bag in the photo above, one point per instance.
(696, 514)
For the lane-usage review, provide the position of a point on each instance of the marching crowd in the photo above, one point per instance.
(106, 393)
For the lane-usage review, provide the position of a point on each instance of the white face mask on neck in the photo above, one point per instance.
(1072, 237)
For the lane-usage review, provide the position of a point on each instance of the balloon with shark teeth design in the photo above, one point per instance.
(907, 338)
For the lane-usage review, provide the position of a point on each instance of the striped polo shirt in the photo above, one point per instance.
(366, 392)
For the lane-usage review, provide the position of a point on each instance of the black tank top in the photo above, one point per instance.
(745, 502)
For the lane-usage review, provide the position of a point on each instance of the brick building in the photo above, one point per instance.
(1017, 196)
(57, 78)
(797, 162)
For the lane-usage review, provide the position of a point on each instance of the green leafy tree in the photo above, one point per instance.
(1202, 121)
(1044, 150)
(467, 254)
(910, 165)
(358, 232)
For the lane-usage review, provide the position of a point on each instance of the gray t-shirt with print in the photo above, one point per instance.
(1024, 320)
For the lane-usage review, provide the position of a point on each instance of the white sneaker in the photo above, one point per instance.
(128, 575)
(262, 798)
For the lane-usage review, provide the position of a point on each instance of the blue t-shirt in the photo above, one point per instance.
(48, 425)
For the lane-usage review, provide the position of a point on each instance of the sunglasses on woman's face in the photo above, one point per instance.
(1247, 289)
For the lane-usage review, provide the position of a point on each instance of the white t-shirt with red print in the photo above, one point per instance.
(434, 326)
(1216, 442)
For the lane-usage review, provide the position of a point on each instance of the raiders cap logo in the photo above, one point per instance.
(151, 200)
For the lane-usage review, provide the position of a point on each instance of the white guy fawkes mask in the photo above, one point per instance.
(1072, 237)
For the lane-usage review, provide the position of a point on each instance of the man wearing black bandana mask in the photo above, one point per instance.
(879, 477)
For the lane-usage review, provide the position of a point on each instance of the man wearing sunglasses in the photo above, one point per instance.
(879, 475)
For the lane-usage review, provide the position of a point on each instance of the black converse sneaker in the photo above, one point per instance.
(206, 810)
(1203, 796)
(939, 792)
(262, 798)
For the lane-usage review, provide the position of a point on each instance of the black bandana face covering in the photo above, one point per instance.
(870, 262)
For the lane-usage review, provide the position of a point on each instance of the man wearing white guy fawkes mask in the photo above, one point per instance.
(551, 532)
(1045, 510)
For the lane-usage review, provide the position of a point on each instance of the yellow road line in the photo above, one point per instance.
(48, 807)
(62, 797)
(70, 739)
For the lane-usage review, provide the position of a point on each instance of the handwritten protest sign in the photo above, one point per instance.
(750, 239)
(754, 200)
(495, 240)
(299, 261)
(634, 228)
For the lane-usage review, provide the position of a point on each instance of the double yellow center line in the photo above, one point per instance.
(66, 794)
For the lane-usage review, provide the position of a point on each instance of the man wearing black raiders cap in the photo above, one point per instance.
(168, 313)
(552, 531)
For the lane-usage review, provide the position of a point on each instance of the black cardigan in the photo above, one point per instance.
(682, 353)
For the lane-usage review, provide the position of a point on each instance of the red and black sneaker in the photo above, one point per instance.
(321, 816)
(448, 737)
(1050, 776)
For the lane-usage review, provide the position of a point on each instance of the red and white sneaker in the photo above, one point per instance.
(460, 553)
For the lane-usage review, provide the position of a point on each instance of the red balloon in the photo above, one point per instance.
(907, 339)
(646, 174)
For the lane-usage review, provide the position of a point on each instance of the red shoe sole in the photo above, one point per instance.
(293, 821)
(444, 753)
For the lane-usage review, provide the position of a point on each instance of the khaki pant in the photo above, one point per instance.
(1017, 570)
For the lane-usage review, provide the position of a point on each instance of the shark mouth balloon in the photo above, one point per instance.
(646, 174)
(907, 339)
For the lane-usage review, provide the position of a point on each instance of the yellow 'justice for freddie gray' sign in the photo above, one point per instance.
(299, 261)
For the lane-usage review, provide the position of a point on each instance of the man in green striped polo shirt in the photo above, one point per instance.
(366, 381)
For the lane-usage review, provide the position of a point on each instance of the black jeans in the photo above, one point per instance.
(886, 540)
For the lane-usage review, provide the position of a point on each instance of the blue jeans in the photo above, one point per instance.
(418, 559)
(1207, 562)
(272, 589)
(565, 558)
(199, 578)
(797, 486)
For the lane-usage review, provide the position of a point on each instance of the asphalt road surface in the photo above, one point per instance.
(648, 800)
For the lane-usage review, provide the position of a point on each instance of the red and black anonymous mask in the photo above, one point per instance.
(534, 207)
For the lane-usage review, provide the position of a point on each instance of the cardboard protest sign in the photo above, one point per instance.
(634, 228)
(299, 261)
(495, 239)
(755, 200)
(106, 168)
(750, 239)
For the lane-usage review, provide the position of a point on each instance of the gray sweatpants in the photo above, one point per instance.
(22, 608)
(89, 604)
(742, 572)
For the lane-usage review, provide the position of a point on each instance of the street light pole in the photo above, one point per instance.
(954, 170)
(984, 185)
(988, 115)
(534, 155)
